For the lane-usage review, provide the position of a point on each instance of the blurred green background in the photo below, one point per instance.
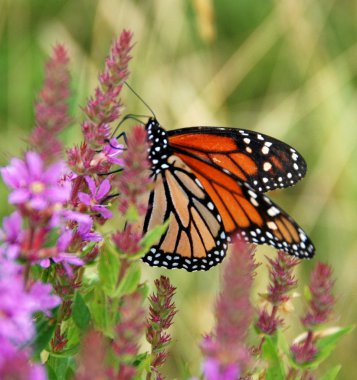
(286, 68)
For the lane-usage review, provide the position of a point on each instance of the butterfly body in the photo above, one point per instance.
(209, 184)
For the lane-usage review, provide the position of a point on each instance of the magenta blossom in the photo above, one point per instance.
(97, 194)
(112, 150)
(214, 370)
(84, 224)
(110, 153)
(61, 255)
(11, 235)
(15, 364)
(17, 304)
(34, 185)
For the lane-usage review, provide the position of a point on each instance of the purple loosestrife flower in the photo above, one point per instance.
(15, 365)
(17, 304)
(134, 182)
(59, 254)
(52, 107)
(81, 224)
(34, 186)
(104, 107)
(214, 370)
(162, 312)
(234, 313)
(11, 236)
(97, 194)
(282, 281)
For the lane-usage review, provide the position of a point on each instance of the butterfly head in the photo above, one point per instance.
(158, 141)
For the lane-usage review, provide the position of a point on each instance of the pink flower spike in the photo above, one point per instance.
(322, 300)
(162, 312)
(233, 312)
(104, 107)
(52, 114)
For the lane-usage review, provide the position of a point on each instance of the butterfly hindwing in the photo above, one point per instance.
(261, 161)
(248, 212)
(195, 238)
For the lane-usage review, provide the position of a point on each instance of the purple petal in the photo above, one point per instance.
(13, 251)
(13, 225)
(85, 198)
(106, 214)
(38, 203)
(91, 236)
(55, 171)
(45, 263)
(37, 372)
(116, 161)
(91, 185)
(42, 296)
(68, 258)
(19, 196)
(64, 240)
(78, 217)
(34, 164)
(15, 174)
(211, 369)
(57, 194)
(103, 189)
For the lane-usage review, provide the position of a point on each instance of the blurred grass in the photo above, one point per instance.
(286, 68)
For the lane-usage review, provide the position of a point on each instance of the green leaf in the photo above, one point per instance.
(307, 293)
(153, 235)
(331, 374)
(326, 344)
(129, 282)
(44, 332)
(80, 312)
(142, 363)
(68, 353)
(51, 372)
(132, 214)
(59, 367)
(150, 238)
(99, 308)
(108, 268)
(270, 353)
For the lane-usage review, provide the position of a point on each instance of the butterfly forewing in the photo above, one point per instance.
(257, 159)
(195, 238)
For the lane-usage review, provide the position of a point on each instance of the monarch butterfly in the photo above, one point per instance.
(210, 184)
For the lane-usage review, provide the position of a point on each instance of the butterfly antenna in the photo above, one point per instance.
(141, 99)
